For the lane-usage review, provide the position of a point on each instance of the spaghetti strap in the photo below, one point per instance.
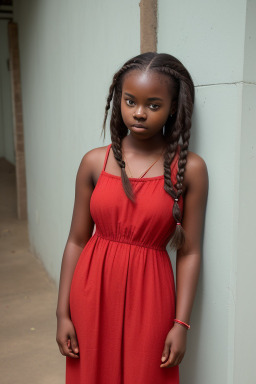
(106, 157)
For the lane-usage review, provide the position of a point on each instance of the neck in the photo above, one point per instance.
(153, 144)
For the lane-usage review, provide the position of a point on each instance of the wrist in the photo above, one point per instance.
(182, 324)
(179, 328)
(62, 314)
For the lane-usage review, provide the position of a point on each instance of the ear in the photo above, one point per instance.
(173, 108)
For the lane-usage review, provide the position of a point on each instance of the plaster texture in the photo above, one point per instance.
(68, 56)
(69, 53)
(219, 49)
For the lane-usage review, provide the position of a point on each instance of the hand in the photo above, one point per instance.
(174, 347)
(66, 337)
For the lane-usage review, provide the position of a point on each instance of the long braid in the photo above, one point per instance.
(170, 189)
(181, 130)
(118, 129)
(176, 128)
(107, 107)
(118, 132)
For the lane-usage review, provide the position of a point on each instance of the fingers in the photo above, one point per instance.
(60, 348)
(174, 358)
(66, 338)
(165, 353)
(66, 349)
(71, 352)
(180, 359)
(74, 344)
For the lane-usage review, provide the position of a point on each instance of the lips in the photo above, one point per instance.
(139, 126)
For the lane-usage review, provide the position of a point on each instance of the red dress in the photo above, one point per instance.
(122, 297)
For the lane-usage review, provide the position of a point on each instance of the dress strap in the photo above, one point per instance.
(106, 157)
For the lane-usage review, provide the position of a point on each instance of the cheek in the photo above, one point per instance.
(124, 112)
(161, 118)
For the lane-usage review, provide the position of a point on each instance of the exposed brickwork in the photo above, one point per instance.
(148, 26)
(18, 120)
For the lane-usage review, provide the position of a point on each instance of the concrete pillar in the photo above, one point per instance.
(219, 50)
(148, 26)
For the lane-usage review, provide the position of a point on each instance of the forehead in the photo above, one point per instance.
(151, 84)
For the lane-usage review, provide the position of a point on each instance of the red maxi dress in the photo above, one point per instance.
(122, 297)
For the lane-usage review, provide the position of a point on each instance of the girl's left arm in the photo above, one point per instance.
(188, 257)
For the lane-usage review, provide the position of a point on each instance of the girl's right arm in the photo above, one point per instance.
(80, 232)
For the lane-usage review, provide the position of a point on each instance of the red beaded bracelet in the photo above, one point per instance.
(182, 323)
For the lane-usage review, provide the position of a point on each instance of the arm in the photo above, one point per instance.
(80, 232)
(188, 257)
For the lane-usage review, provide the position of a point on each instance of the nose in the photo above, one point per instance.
(140, 113)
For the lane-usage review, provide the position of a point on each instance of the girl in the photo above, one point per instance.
(117, 321)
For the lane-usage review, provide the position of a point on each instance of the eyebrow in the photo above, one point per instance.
(149, 99)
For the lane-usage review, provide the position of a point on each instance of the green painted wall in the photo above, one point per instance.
(69, 52)
(217, 42)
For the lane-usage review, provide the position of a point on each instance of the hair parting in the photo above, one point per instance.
(177, 127)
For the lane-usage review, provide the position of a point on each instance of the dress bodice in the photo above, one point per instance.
(151, 223)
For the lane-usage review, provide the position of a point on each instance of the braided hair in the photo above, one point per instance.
(177, 126)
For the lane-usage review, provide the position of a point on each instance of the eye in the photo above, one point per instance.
(154, 107)
(129, 102)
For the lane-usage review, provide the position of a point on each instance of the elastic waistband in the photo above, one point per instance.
(134, 243)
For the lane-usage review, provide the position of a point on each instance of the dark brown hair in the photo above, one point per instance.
(177, 126)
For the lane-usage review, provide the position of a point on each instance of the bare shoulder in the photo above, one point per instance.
(195, 162)
(92, 162)
(196, 174)
(94, 156)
